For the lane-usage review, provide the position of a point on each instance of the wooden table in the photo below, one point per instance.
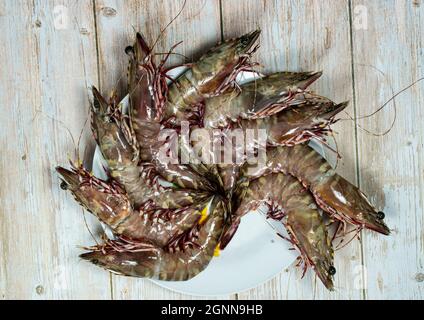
(51, 52)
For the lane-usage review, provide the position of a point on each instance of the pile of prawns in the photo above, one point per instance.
(162, 232)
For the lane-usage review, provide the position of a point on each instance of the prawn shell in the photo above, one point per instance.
(149, 261)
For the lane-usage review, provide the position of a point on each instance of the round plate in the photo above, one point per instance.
(255, 254)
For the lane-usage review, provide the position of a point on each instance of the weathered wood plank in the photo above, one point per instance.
(391, 167)
(301, 36)
(46, 71)
(46, 62)
(198, 27)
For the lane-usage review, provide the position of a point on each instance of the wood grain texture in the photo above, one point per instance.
(306, 36)
(43, 76)
(198, 27)
(391, 168)
(49, 63)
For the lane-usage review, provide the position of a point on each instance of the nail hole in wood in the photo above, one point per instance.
(39, 289)
(108, 12)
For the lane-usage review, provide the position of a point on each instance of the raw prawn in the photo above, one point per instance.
(141, 259)
(289, 202)
(257, 98)
(211, 75)
(334, 194)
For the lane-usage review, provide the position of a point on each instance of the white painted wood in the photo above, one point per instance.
(305, 36)
(43, 75)
(392, 167)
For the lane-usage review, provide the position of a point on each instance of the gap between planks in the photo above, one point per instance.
(355, 130)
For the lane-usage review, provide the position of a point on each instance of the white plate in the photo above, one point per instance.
(255, 254)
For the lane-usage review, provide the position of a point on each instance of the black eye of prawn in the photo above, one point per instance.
(94, 261)
(380, 215)
(332, 271)
(245, 41)
(129, 50)
(64, 185)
